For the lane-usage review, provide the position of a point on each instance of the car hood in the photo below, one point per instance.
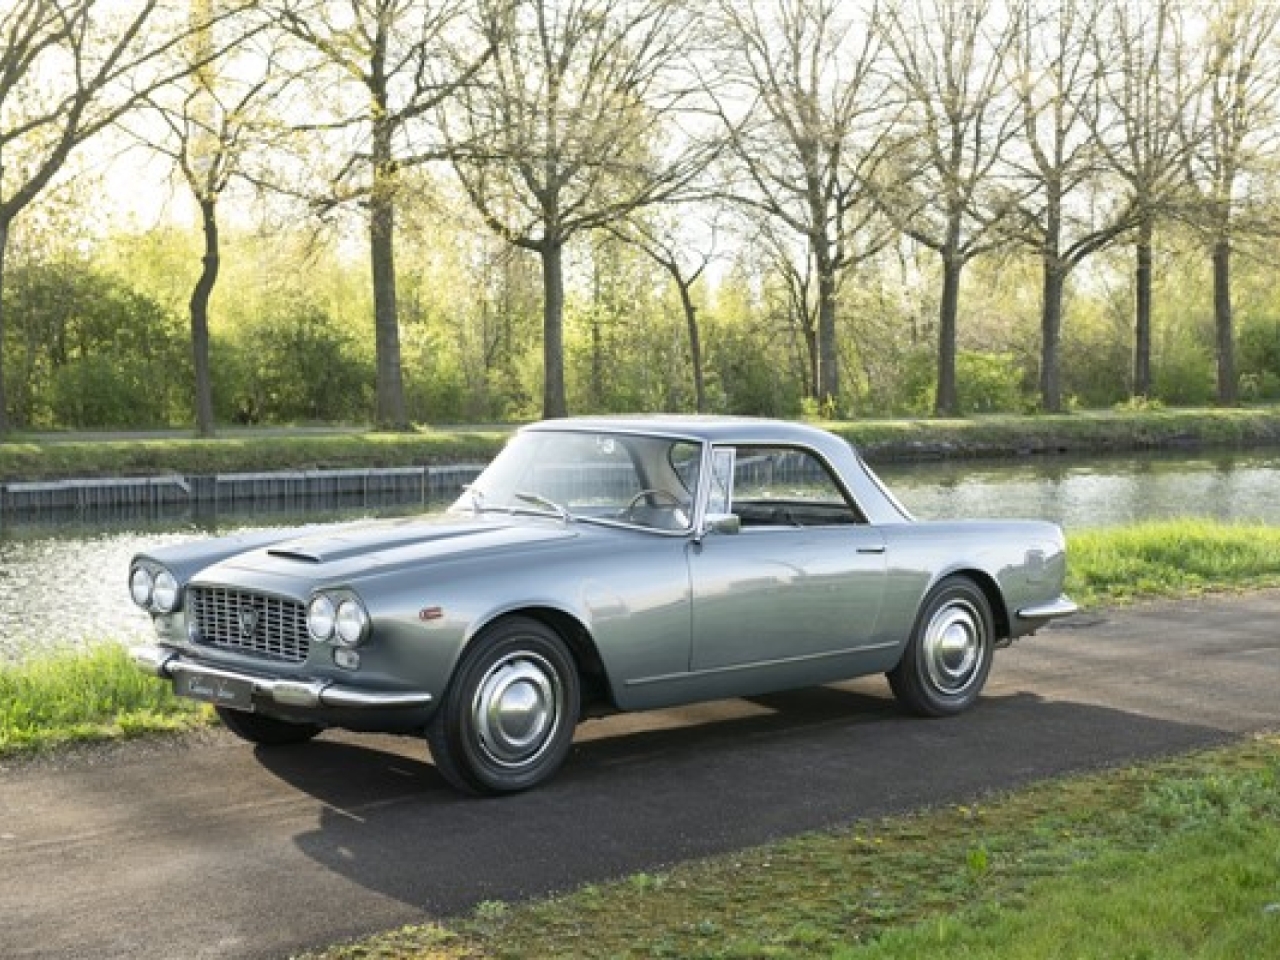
(361, 550)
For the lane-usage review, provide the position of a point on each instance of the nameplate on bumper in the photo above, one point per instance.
(220, 691)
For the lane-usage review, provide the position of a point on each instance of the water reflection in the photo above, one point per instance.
(65, 585)
(1097, 492)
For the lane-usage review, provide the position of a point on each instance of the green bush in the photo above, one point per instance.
(985, 383)
(1184, 375)
(989, 382)
(1258, 359)
(83, 348)
(298, 364)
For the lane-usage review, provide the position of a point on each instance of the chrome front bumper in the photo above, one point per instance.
(309, 694)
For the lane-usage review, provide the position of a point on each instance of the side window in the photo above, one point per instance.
(787, 487)
(722, 477)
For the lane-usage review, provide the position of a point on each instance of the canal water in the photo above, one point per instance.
(63, 584)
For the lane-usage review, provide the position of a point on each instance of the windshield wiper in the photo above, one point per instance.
(540, 501)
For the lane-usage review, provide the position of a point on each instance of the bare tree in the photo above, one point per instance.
(575, 123)
(1068, 210)
(68, 70)
(810, 138)
(1232, 134)
(791, 301)
(1145, 91)
(684, 247)
(378, 69)
(206, 125)
(948, 64)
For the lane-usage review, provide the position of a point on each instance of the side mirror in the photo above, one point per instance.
(729, 523)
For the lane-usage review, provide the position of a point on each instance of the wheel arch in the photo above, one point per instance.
(990, 587)
(596, 688)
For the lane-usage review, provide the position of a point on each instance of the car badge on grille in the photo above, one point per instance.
(248, 621)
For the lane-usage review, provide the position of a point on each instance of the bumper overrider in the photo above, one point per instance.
(1062, 607)
(298, 694)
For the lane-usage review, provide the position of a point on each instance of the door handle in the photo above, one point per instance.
(877, 549)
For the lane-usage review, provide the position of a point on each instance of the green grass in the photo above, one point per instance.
(90, 694)
(1178, 858)
(1093, 431)
(1213, 894)
(243, 451)
(1174, 558)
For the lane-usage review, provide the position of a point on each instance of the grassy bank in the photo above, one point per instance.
(98, 694)
(1173, 558)
(240, 450)
(92, 694)
(1168, 859)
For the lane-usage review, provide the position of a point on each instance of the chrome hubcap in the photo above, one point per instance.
(954, 647)
(517, 708)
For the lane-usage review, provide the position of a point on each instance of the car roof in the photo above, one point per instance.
(714, 429)
(877, 504)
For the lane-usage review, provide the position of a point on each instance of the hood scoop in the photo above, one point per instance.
(294, 553)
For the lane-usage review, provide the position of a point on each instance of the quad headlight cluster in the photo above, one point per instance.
(337, 618)
(154, 588)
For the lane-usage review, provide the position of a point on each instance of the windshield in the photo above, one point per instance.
(605, 477)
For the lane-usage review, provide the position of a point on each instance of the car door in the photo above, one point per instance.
(803, 578)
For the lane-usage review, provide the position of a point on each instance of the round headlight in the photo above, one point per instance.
(320, 617)
(141, 584)
(352, 622)
(164, 592)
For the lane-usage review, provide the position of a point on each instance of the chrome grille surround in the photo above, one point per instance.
(256, 624)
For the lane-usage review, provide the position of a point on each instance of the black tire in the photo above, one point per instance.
(506, 722)
(264, 730)
(947, 661)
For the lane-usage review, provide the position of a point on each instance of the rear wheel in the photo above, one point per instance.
(946, 663)
(506, 722)
(264, 730)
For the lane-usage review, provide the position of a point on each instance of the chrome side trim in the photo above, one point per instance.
(743, 667)
(1062, 607)
(309, 694)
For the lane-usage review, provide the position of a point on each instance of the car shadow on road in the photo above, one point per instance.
(642, 792)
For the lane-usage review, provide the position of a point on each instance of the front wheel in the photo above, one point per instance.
(946, 663)
(506, 722)
(267, 731)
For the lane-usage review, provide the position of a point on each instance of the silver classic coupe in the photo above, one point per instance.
(596, 565)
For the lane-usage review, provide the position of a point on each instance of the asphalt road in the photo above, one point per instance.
(204, 847)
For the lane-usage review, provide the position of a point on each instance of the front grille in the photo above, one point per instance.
(251, 623)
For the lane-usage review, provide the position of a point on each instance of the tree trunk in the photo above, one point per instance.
(947, 400)
(1142, 311)
(1224, 323)
(597, 362)
(389, 382)
(4, 408)
(695, 346)
(828, 352)
(553, 394)
(199, 307)
(810, 335)
(389, 379)
(1055, 277)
